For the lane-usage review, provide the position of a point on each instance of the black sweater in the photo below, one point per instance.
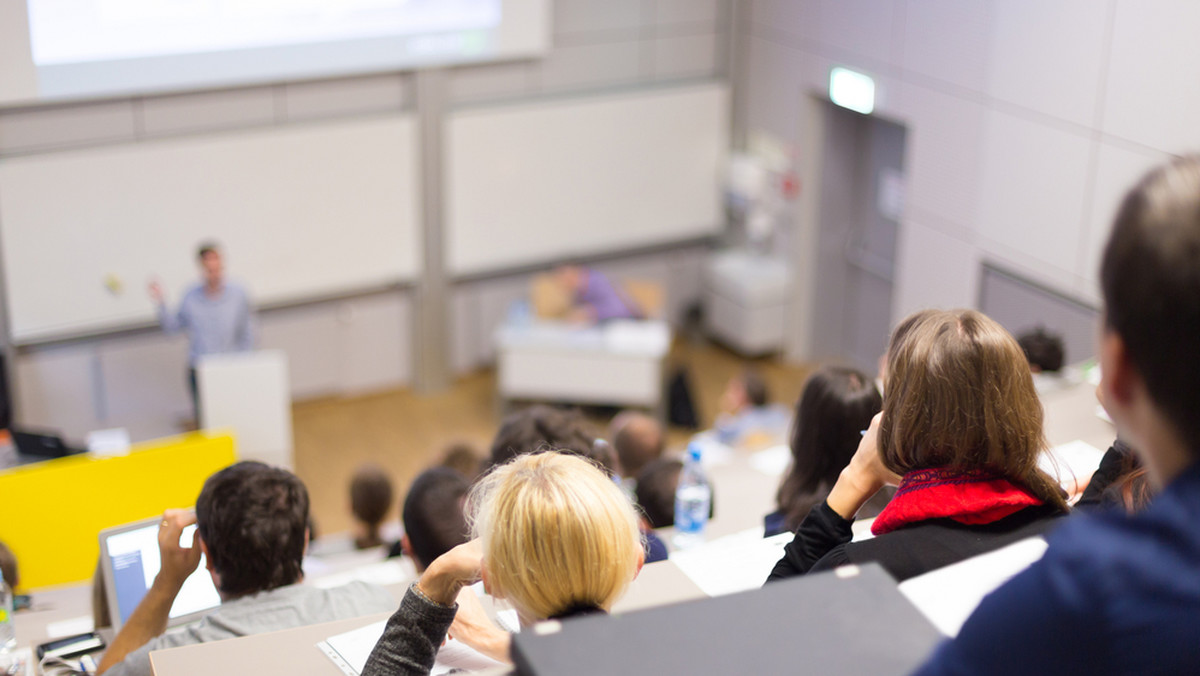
(823, 542)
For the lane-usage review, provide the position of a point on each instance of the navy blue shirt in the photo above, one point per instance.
(1114, 594)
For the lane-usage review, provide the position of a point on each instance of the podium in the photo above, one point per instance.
(248, 392)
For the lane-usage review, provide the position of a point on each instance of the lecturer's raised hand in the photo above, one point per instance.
(178, 562)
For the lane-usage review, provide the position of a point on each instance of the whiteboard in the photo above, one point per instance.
(301, 212)
(534, 182)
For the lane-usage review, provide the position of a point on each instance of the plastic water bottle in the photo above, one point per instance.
(8, 633)
(693, 498)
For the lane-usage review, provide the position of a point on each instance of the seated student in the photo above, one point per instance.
(1117, 593)
(1120, 481)
(638, 439)
(961, 431)
(250, 524)
(565, 430)
(746, 415)
(537, 427)
(835, 406)
(1044, 351)
(595, 553)
(370, 500)
(655, 493)
(433, 517)
(462, 457)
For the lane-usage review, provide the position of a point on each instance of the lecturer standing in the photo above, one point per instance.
(215, 314)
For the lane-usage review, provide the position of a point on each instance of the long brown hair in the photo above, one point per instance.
(960, 395)
(836, 404)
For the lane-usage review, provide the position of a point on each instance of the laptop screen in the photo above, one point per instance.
(130, 558)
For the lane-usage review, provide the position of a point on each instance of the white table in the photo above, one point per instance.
(616, 363)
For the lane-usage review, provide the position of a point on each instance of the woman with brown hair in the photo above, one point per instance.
(960, 432)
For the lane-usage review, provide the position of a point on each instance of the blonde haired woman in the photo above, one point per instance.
(553, 535)
(960, 432)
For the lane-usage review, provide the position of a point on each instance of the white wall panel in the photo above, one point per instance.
(704, 12)
(375, 346)
(144, 384)
(1048, 56)
(1117, 169)
(493, 80)
(311, 338)
(948, 40)
(799, 18)
(862, 28)
(933, 270)
(942, 161)
(25, 130)
(347, 96)
(56, 389)
(1151, 96)
(207, 111)
(574, 16)
(1033, 187)
(592, 65)
(685, 56)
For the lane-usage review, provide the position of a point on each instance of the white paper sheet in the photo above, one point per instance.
(349, 651)
(948, 596)
(734, 563)
(1072, 463)
(773, 461)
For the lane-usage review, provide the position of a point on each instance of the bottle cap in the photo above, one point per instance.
(694, 451)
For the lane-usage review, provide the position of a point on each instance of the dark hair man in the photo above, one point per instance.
(638, 440)
(433, 515)
(251, 525)
(1118, 594)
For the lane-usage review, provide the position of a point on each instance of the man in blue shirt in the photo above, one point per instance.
(1120, 594)
(215, 314)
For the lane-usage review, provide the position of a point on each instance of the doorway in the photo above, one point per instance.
(860, 200)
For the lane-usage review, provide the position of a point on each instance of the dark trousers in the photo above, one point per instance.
(194, 390)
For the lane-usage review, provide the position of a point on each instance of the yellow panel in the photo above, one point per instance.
(53, 511)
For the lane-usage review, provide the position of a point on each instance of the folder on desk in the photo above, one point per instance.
(850, 621)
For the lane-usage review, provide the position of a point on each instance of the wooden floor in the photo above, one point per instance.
(404, 432)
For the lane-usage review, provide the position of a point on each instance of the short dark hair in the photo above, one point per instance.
(836, 405)
(370, 500)
(637, 439)
(655, 492)
(756, 388)
(370, 494)
(253, 519)
(206, 248)
(433, 513)
(1043, 350)
(1150, 278)
(539, 428)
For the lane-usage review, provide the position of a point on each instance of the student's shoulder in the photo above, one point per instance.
(364, 597)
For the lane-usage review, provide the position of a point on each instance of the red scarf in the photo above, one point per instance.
(971, 497)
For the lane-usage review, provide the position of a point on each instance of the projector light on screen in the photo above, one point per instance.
(852, 90)
(64, 49)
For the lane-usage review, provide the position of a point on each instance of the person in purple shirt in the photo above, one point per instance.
(593, 297)
(1118, 593)
(216, 315)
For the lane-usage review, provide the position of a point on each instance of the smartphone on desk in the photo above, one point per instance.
(71, 646)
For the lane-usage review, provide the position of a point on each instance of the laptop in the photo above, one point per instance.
(129, 560)
(850, 621)
(40, 445)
